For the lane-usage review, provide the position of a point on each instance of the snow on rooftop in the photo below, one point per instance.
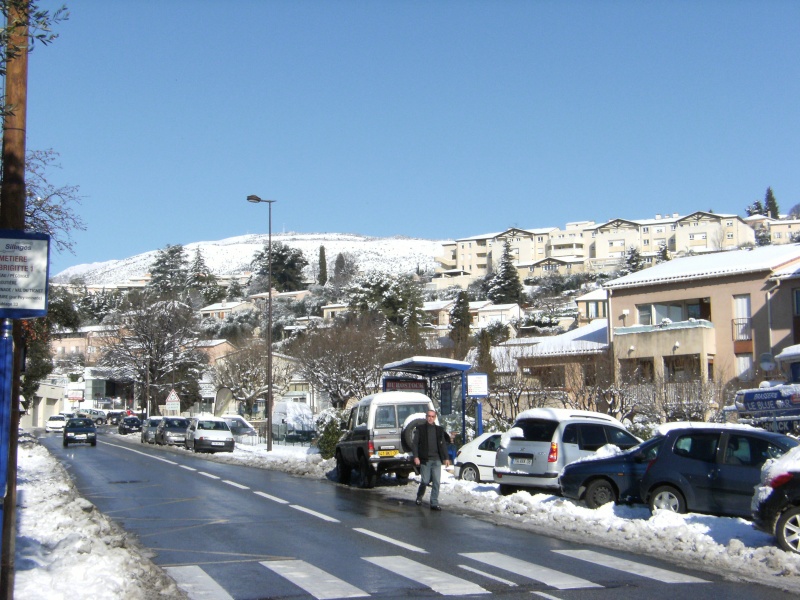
(732, 262)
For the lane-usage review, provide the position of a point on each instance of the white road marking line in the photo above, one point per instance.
(187, 468)
(551, 577)
(390, 540)
(485, 574)
(197, 583)
(630, 566)
(316, 582)
(439, 581)
(548, 596)
(314, 513)
(234, 484)
(273, 498)
(209, 475)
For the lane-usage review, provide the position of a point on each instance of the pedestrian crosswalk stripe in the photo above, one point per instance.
(556, 579)
(313, 580)
(439, 581)
(386, 538)
(487, 575)
(197, 584)
(629, 566)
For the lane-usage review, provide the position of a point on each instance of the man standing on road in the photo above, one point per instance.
(430, 451)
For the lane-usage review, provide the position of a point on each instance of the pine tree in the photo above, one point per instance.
(663, 254)
(323, 267)
(169, 272)
(484, 359)
(287, 268)
(771, 205)
(505, 286)
(756, 208)
(633, 260)
(235, 291)
(200, 280)
(460, 321)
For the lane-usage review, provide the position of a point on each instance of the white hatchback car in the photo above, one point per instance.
(55, 423)
(209, 434)
(475, 459)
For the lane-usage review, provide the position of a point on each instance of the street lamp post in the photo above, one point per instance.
(256, 200)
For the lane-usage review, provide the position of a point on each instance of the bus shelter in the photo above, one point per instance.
(444, 380)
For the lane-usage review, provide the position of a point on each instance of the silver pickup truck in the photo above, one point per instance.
(379, 435)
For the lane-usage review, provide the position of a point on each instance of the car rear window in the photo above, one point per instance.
(537, 430)
(406, 410)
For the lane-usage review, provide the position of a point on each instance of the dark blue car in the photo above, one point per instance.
(610, 479)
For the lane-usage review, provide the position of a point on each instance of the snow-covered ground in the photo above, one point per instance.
(64, 544)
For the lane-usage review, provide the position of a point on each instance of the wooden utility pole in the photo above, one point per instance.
(12, 216)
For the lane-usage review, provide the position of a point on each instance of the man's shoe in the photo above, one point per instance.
(419, 501)
(437, 507)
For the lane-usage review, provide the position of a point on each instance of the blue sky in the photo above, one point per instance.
(437, 120)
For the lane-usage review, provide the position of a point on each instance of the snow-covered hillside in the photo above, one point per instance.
(233, 255)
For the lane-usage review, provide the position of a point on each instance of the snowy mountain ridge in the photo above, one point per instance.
(230, 256)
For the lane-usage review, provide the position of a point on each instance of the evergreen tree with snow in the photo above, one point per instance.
(771, 204)
(201, 281)
(287, 269)
(323, 267)
(460, 321)
(756, 208)
(504, 286)
(169, 273)
(235, 290)
(633, 260)
(485, 363)
(663, 254)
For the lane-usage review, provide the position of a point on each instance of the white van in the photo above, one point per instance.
(292, 421)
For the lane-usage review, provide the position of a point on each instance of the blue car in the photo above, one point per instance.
(609, 479)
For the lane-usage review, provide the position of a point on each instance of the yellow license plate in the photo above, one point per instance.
(387, 452)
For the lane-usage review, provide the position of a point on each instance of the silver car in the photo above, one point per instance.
(149, 430)
(171, 431)
(544, 440)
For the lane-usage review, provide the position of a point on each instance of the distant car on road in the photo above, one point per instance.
(129, 425)
(209, 434)
(80, 430)
(149, 429)
(55, 423)
(475, 459)
(171, 431)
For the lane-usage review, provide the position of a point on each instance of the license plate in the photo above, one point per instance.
(387, 452)
(80, 436)
(521, 461)
(217, 443)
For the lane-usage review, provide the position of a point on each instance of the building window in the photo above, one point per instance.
(645, 314)
(646, 243)
(777, 235)
(796, 293)
(729, 236)
(659, 230)
(729, 223)
(645, 230)
(744, 367)
(673, 227)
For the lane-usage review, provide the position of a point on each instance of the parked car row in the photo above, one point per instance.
(685, 467)
(201, 434)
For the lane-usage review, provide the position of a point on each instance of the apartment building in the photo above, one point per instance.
(584, 246)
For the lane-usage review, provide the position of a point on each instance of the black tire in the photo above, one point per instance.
(94, 443)
(407, 436)
(343, 470)
(599, 492)
(667, 497)
(507, 490)
(99, 422)
(787, 530)
(65, 443)
(368, 477)
(470, 472)
(402, 475)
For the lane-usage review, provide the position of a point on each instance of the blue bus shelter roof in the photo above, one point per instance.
(428, 366)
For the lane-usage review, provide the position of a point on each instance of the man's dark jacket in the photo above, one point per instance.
(421, 442)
